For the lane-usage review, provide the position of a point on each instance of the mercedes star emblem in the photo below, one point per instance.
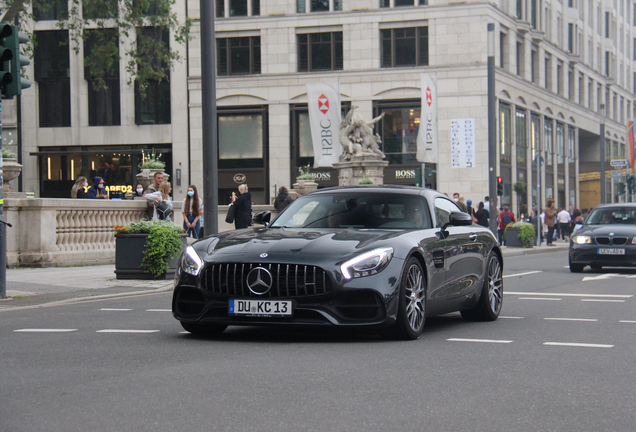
(263, 255)
(259, 280)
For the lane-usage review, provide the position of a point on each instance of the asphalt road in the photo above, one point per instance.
(561, 358)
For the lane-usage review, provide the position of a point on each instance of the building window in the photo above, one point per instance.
(505, 135)
(519, 11)
(534, 66)
(533, 14)
(52, 10)
(607, 63)
(571, 38)
(319, 51)
(520, 59)
(152, 103)
(238, 8)
(404, 47)
(560, 140)
(548, 73)
(503, 50)
(571, 144)
(105, 9)
(303, 6)
(239, 56)
(398, 3)
(549, 147)
(535, 136)
(521, 137)
(398, 129)
(51, 65)
(560, 78)
(104, 107)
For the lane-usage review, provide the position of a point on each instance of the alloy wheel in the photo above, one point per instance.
(415, 298)
(495, 285)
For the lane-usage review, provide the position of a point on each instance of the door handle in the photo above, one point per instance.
(473, 237)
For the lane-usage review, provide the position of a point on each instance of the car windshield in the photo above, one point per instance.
(612, 215)
(356, 210)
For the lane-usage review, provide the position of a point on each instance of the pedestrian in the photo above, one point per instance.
(139, 192)
(161, 196)
(242, 208)
(482, 215)
(157, 179)
(460, 203)
(564, 218)
(506, 217)
(79, 188)
(469, 207)
(550, 216)
(192, 210)
(282, 200)
(201, 230)
(98, 190)
(487, 203)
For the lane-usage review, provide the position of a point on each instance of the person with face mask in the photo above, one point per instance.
(460, 203)
(139, 191)
(98, 190)
(79, 190)
(192, 209)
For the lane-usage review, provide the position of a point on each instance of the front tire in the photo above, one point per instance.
(411, 302)
(199, 329)
(576, 268)
(489, 306)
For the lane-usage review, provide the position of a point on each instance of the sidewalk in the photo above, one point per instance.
(34, 287)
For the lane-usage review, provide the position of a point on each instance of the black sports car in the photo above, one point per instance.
(607, 238)
(356, 256)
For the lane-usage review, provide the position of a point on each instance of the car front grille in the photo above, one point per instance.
(288, 280)
(616, 241)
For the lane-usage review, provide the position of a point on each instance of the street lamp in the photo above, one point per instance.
(602, 112)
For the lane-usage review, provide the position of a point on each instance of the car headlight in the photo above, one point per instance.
(191, 263)
(582, 239)
(369, 263)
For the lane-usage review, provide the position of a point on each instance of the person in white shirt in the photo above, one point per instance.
(564, 218)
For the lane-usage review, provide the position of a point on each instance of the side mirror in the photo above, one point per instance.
(460, 219)
(263, 217)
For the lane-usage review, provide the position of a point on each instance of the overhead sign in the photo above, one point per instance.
(618, 163)
(616, 176)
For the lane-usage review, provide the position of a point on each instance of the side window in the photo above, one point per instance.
(443, 209)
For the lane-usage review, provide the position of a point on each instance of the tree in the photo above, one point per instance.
(145, 23)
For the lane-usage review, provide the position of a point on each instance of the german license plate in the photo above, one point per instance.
(605, 251)
(260, 308)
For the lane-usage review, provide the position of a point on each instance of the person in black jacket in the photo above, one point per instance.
(78, 190)
(282, 200)
(243, 208)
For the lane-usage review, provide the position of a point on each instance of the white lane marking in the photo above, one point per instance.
(34, 330)
(607, 276)
(510, 317)
(628, 321)
(479, 340)
(568, 295)
(570, 344)
(158, 310)
(601, 300)
(126, 331)
(538, 298)
(115, 310)
(572, 319)
(523, 274)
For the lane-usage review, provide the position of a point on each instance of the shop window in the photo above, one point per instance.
(404, 47)
(571, 144)
(549, 147)
(51, 65)
(104, 9)
(560, 140)
(104, 108)
(521, 138)
(320, 51)
(535, 136)
(239, 56)
(52, 10)
(505, 133)
(152, 103)
(398, 130)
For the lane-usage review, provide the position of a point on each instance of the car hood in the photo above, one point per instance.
(289, 244)
(607, 230)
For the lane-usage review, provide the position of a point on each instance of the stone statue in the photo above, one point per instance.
(357, 137)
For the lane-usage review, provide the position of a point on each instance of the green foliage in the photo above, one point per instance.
(304, 173)
(151, 161)
(527, 234)
(145, 226)
(519, 188)
(6, 154)
(366, 181)
(163, 243)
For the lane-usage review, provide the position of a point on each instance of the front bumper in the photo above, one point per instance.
(588, 255)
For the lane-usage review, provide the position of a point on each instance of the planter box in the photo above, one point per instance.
(511, 238)
(129, 253)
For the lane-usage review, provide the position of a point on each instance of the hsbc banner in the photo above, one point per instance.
(324, 118)
(427, 137)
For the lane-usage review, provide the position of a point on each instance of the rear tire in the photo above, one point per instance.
(411, 314)
(489, 306)
(199, 329)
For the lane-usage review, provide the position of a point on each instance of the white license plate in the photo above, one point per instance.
(603, 251)
(260, 308)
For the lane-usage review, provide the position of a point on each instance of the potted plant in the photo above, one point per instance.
(151, 164)
(520, 190)
(148, 249)
(520, 234)
(365, 180)
(305, 181)
(11, 169)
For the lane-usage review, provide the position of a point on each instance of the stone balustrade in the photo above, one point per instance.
(67, 232)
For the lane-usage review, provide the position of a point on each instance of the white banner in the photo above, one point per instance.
(462, 143)
(427, 137)
(324, 118)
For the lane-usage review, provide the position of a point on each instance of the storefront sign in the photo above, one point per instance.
(122, 188)
(321, 176)
(427, 137)
(324, 120)
(463, 143)
(239, 178)
(405, 174)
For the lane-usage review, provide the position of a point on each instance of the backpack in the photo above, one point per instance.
(505, 219)
(163, 211)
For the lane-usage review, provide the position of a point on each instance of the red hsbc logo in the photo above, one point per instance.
(323, 104)
(429, 96)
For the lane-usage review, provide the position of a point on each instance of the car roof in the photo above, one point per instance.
(615, 205)
(410, 190)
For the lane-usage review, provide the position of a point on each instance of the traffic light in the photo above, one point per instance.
(631, 183)
(621, 188)
(499, 186)
(6, 55)
(13, 42)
